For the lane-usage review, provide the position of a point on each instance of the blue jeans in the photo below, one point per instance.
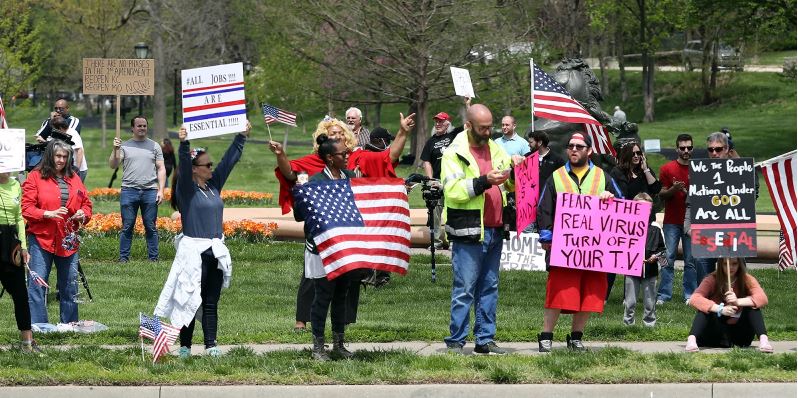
(475, 267)
(674, 233)
(41, 262)
(130, 200)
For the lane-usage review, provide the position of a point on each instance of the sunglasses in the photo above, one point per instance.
(715, 149)
(686, 148)
(208, 165)
(58, 109)
(637, 153)
(576, 147)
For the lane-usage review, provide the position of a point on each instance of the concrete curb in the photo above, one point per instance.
(698, 390)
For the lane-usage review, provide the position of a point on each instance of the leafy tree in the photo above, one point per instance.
(22, 55)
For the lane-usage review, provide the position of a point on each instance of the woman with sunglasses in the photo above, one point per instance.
(202, 265)
(633, 176)
(14, 256)
(54, 204)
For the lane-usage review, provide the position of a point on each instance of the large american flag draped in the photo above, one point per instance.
(162, 334)
(3, 123)
(272, 115)
(780, 174)
(357, 223)
(550, 100)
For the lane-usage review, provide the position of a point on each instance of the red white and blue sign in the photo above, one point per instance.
(213, 100)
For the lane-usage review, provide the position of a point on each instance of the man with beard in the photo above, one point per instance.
(675, 179)
(354, 119)
(61, 108)
(473, 169)
(549, 161)
(572, 291)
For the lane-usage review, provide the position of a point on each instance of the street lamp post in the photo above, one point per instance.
(142, 50)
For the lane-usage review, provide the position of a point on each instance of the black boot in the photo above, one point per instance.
(339, 348)
(318, 352)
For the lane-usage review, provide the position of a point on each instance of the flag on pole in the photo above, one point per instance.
(37, 279)
(780, 174)
(3, 123)
(162, 334)
(785, 257)
(550, 100)
(272, 115)
(357, 223)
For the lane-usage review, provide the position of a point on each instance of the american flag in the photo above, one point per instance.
(550, 100)
(272, 115)
(162, 334)
(357, 223)
(3, 123)
(780, 174)
(785, 257)
(37, 279)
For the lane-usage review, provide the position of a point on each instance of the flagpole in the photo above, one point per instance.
(728, 277)
(270, 132)
(532, 90)
(776, 159)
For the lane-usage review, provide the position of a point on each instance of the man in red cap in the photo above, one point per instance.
(568, 290)
(431, 158)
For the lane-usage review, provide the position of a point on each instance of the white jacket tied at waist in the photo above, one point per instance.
(180, 297)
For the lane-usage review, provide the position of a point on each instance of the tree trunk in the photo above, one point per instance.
(713, 77)
(621, 62)
(158, 127)
(377, 114)
(421, 123)
(648, 96)
(103, 115)
(706, 65)
(605, 87)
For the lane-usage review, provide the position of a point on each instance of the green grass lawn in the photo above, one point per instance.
(259, 308)
(770, 58)
(259, 305)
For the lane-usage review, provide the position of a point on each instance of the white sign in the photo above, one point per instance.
(12, 150)
(462, 82)
(651, 145)
(213, 100)
(523, 253)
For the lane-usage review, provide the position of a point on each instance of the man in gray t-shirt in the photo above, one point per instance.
(143, 181)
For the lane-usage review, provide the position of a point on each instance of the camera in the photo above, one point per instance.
(432, 192)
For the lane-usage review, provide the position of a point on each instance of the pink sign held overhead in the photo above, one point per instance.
(602, 236)
(527, 187)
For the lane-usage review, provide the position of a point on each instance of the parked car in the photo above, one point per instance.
(728, 56)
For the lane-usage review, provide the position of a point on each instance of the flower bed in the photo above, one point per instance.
(111, 225)
(230, 197)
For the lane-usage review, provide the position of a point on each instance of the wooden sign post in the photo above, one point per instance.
(108, 76)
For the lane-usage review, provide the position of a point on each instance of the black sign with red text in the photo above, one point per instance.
(722, 199)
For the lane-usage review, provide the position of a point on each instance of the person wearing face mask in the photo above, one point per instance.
(381, 155)
(202, 264)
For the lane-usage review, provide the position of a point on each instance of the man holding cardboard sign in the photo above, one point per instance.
(571, 290)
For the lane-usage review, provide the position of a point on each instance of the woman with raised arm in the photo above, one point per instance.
(202, 265)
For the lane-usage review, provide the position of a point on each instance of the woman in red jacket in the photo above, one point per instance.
(728, 316)
(54, 204)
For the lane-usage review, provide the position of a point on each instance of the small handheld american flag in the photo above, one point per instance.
(162, 334)
(272, 115)
(37, 279)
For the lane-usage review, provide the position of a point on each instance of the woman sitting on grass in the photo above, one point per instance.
(202, 264)
(729, 309)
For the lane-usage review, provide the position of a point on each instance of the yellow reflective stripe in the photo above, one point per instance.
(595, 183)
(565, 181)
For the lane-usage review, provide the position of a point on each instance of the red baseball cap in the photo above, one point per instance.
(442, 116)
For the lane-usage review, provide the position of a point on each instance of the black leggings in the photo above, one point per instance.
(210, 290)
(331, 296)
(304, 299)
(13, 280)
(711, 331)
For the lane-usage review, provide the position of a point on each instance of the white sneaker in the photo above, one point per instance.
(660, 302)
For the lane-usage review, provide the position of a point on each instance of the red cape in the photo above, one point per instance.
(310, 164)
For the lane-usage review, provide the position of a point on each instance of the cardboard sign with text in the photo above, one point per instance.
(213, 100)
(106, 76)
(462, 82)
(12, 150)
(722, 199)
(600, 236)
(523, 252)
(527, 192)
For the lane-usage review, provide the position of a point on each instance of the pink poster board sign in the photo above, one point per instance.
(593, 235)
(527, 187)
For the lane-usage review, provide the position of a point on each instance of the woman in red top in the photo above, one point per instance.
(727, 316)
(54, 204)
